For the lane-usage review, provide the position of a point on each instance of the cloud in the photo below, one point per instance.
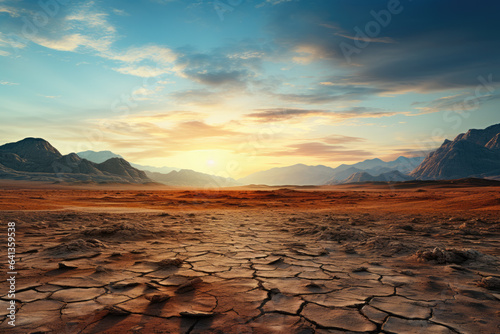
(141, 71)
(284, 114)
(64, 43)
(464, 101)
(8, 83)
(120, 12)
(13, 12)
(366, 112)
(440, 49)
(326, 92)
(155, 53)
(272, 2)
(281, 114)
(338, 139)
(198, 129)
(83, 27)
(223, 67)
(178, 115)
(140, 134)
(322, 151)
(10, 42)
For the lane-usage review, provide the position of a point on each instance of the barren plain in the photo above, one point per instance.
(353, 259)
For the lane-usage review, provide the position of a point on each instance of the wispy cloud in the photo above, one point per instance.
(458, 102)
(120, 12)
(322, 151)
(284, 114)
(84, 27)
(8, 83)
(281, 114)
(13, 12)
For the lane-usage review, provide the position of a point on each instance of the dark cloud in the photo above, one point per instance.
(460, 102)
(282, 114)
(324, 93)
(428, 45)
(229, 66)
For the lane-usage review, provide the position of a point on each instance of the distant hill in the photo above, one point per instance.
(101, 156)
(190, 178)
(167, 175)
(340, 174)
(319, 175)
(163, 170)
(35, 159)
(475, 153)
(393, 176)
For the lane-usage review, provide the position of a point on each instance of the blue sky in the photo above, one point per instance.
(231, 87)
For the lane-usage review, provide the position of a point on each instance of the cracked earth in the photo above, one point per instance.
(255, 271)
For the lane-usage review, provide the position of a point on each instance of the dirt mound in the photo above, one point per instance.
(337, 233)
(390, 245)
(449, 255)
(76, 246)
(124, 231)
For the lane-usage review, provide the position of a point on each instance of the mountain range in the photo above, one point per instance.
(35, 159)
(393, 176)
(475, 153)
(167, 175)
(102, 156)
(322, 175)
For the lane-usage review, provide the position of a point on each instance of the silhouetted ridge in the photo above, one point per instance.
(472, 154)
(37, 160)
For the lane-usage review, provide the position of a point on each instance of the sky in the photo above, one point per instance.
(232, 87)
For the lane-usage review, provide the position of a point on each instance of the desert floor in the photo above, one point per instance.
(374, 259)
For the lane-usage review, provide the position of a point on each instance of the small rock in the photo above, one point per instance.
(277, 261)
(490, 283)
(115, 310)
(64, 265)
(157, 297)
(169, 262)
(123, 285)
(349, 250)
(189, 286)
(407, 228)
(360, 270)
(407, 272)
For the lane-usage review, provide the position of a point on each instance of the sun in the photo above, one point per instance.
(210, 162)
